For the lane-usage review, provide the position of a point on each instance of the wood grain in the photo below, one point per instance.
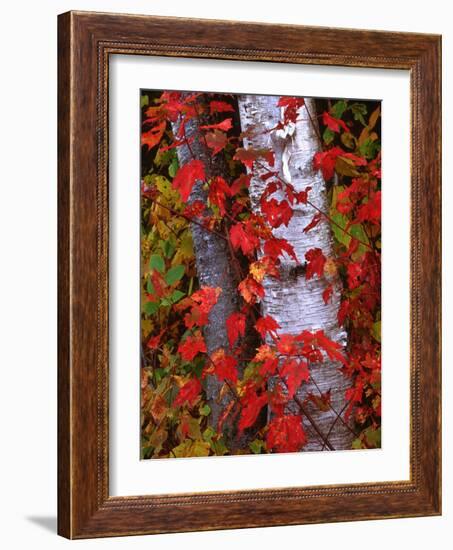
(85, 41)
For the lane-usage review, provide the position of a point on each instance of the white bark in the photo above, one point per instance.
(295, 303)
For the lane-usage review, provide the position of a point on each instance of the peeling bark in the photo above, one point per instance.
(295, 303)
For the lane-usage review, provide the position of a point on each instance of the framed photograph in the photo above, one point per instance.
(249, 275)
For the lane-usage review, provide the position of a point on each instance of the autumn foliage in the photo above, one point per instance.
(256, 385)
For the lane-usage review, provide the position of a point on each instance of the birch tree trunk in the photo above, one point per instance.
(214, 267)
(295, 303)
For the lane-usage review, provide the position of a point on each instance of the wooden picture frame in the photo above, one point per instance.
(85, 41)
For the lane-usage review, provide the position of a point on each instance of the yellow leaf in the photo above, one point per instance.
(345, 167)
(191, 448)
(157, 439)
(158, 408)
(185, 249)
(373, 118)
(257, 271)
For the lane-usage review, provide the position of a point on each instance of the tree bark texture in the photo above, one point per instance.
(213, 263)
(294, 302)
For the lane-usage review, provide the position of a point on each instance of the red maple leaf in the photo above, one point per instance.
(295, 373)
(325, 161)
(195, 209)
(225, 125)
(154, 341)
(355, 273)
(344, 207)
(327, 294)
(153, 136)
(159, 285)
(269, 367)
(235, 325)
(301, 197)
(343, 311)
(248, 156)
(191, 346)
(245, 240)
(315, 263)
(276, 247)
(358, 161)
(371, 211)
(251, 290)
(201, 302)
(291, 106)
(252, 403)
(353, 395)
(172, 104)
(286, 344)
(216, 140)
(276, 213)
(188, 393)
(333, 123)
(241, 182)
(224, 366)
(220, 107)
(218, 192)
(266, 325)
(286, 434)
(314, 222)
(187, 176)
(333, 349)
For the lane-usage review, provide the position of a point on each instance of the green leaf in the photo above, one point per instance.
(173, 168)
(219, 448)
(176, 296)
(357, 443)
(150, 287)
(328, 136)
(144, 101)
(150, 307)
(205, 411)
(159, 373)
(339, 108)
(197, 368)
(376, 331)
(167, 248)
(341, 222)
(163, 158)
(250, 371)
(157, 262)
(373, 437)
(358, 110)
(146, 452)
(174, 274)
(369, 148)
(209, 433)
(256, 446)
